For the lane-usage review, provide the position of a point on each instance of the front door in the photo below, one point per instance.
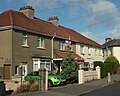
(6, 71)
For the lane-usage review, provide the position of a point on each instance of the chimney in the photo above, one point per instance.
(28, 11)
(108, 40)
(54, 20)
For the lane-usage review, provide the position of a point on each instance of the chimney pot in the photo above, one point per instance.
(28, 11)
(54, 20)
(108, 39)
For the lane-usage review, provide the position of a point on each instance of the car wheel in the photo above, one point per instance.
(50, 84)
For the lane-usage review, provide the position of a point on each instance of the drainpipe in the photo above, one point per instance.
(52, 50)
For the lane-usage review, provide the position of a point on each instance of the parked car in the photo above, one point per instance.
(52, 78)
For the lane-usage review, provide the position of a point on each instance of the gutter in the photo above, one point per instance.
(29, 31)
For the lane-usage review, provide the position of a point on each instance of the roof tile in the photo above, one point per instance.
(15, 18)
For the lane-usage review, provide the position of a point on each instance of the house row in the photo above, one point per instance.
(30, 43)
(111, 47)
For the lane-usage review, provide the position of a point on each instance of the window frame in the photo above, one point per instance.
(82, 49)
(61, 45)
(41, 42)
(41, 62)
(24, 40)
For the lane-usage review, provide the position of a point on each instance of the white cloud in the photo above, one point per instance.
(90, 35)
(116, 32)
(43, 3)
(99, 37)
(103, 12)
(95, 11)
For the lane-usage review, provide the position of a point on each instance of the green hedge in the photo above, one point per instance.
(101, 65)
(106, 67)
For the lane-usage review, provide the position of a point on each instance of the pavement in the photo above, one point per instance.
(74, 89)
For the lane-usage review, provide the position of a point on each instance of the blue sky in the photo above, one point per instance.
(96, 19)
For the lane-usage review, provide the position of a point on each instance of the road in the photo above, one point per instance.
(111, 90)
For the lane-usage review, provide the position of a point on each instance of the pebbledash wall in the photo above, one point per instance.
(89, 53)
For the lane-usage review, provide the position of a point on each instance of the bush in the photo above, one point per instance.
(27, 88)
(113, 64)
(85, 69)
(70, 69)
(101, 65)
(110, 65)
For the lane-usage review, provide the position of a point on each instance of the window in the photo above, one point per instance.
(89, 51)
(41, 63)
(41, 42)
(36, 66)
(95, 51)
(81, 49)
(99, 52)
(17, 70)
(61, 45)
(24, 68)
(24, 40)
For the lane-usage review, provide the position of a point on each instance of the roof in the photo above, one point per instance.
(15, 18)
(114, 42)
(80, 38)
(64, 55)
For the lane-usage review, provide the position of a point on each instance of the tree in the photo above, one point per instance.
(112, 64)
(70, 69)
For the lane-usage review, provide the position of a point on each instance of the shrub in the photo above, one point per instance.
(27, 88)
(70, 69)
(85, 69)
(113, 64)
(101, 65)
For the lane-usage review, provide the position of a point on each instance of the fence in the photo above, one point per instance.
(85, 76)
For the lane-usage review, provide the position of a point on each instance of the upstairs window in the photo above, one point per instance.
(24, 40)
(61, 45)
(95, 51)
(100, 52)
(89, 51)
(41, 42)
(81, 49)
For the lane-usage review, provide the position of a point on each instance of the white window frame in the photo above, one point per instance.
(24, 68)
(82, 49)
(100, 52)
(96, 50)
(17, 70)
(25, 40)
(61, 45)
(41, 42)
(39, 61)
(89, 50)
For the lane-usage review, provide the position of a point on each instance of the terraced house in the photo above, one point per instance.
(30, 43)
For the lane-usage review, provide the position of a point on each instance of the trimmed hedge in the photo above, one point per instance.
(101, 65)
(106, 67)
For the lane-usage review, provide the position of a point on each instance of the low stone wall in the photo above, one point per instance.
(90, 75)
(85, 76)
(12, 85)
